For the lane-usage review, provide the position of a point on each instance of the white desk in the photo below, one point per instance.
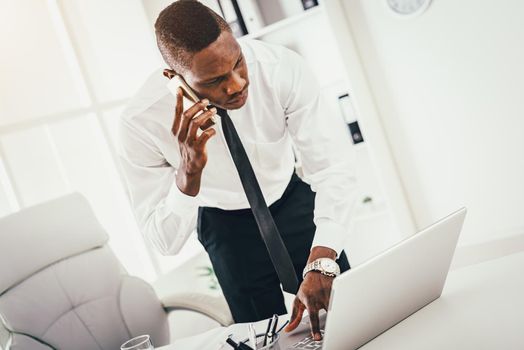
(481, 307)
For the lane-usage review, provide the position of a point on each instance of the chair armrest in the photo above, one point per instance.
(185, 288)
(213, 306)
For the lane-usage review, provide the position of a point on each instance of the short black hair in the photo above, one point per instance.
(186, 27)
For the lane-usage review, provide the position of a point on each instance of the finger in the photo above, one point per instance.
(206, 135)
(197, 107)
(178, 111)
(197, 122)
(296, 315)
(315, 324)
(325, 304)
(187, 116)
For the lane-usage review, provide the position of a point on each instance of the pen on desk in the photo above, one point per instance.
(252, 336)
(282, 327)
(267, 331)
(242, 346)
(231, 342)
(239, 346)
(270, 329)
(274, 322)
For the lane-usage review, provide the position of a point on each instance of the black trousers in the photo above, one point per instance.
(240, 258)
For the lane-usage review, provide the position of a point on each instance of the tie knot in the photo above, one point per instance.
(221, 112)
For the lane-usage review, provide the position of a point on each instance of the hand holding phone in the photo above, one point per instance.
(178, 82)
(192, 146)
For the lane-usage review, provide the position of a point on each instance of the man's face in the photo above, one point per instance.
(219, 73)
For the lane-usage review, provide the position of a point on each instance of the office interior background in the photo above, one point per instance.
(437, 97)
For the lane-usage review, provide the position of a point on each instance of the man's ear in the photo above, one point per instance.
(169, 73)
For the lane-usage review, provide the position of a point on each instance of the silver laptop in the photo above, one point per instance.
(374, 296)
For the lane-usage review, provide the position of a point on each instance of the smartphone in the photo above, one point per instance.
(176, 82)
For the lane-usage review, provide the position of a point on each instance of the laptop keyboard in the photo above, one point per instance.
(308, 344)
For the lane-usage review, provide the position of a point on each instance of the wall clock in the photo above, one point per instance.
(408, 7)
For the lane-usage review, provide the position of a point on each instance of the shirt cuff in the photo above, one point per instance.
(181, 203)
(330, 234)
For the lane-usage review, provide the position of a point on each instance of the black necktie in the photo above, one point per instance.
(268, 230)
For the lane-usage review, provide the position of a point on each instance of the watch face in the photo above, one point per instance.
(329, 265)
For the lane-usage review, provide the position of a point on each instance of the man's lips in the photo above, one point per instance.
(238, 98)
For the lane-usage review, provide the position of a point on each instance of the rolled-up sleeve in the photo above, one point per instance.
(166, 216)
(321, 138)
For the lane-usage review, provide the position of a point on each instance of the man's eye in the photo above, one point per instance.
(214, 81)
(239, 61)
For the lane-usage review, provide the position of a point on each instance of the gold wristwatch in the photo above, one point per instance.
(325, 266)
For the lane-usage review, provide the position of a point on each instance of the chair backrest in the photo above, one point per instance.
(61, 286)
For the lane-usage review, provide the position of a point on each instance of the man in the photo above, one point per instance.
(180, 177)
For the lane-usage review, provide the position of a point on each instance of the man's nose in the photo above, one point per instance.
(236, 84)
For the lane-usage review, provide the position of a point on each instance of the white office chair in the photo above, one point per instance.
(61, 286)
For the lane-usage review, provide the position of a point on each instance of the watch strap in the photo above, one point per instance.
(316, 265)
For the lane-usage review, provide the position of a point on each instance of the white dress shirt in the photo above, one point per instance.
(285, 111)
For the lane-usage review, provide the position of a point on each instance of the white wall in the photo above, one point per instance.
(448, 87)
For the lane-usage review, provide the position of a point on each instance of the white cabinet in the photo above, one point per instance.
(373, 228)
